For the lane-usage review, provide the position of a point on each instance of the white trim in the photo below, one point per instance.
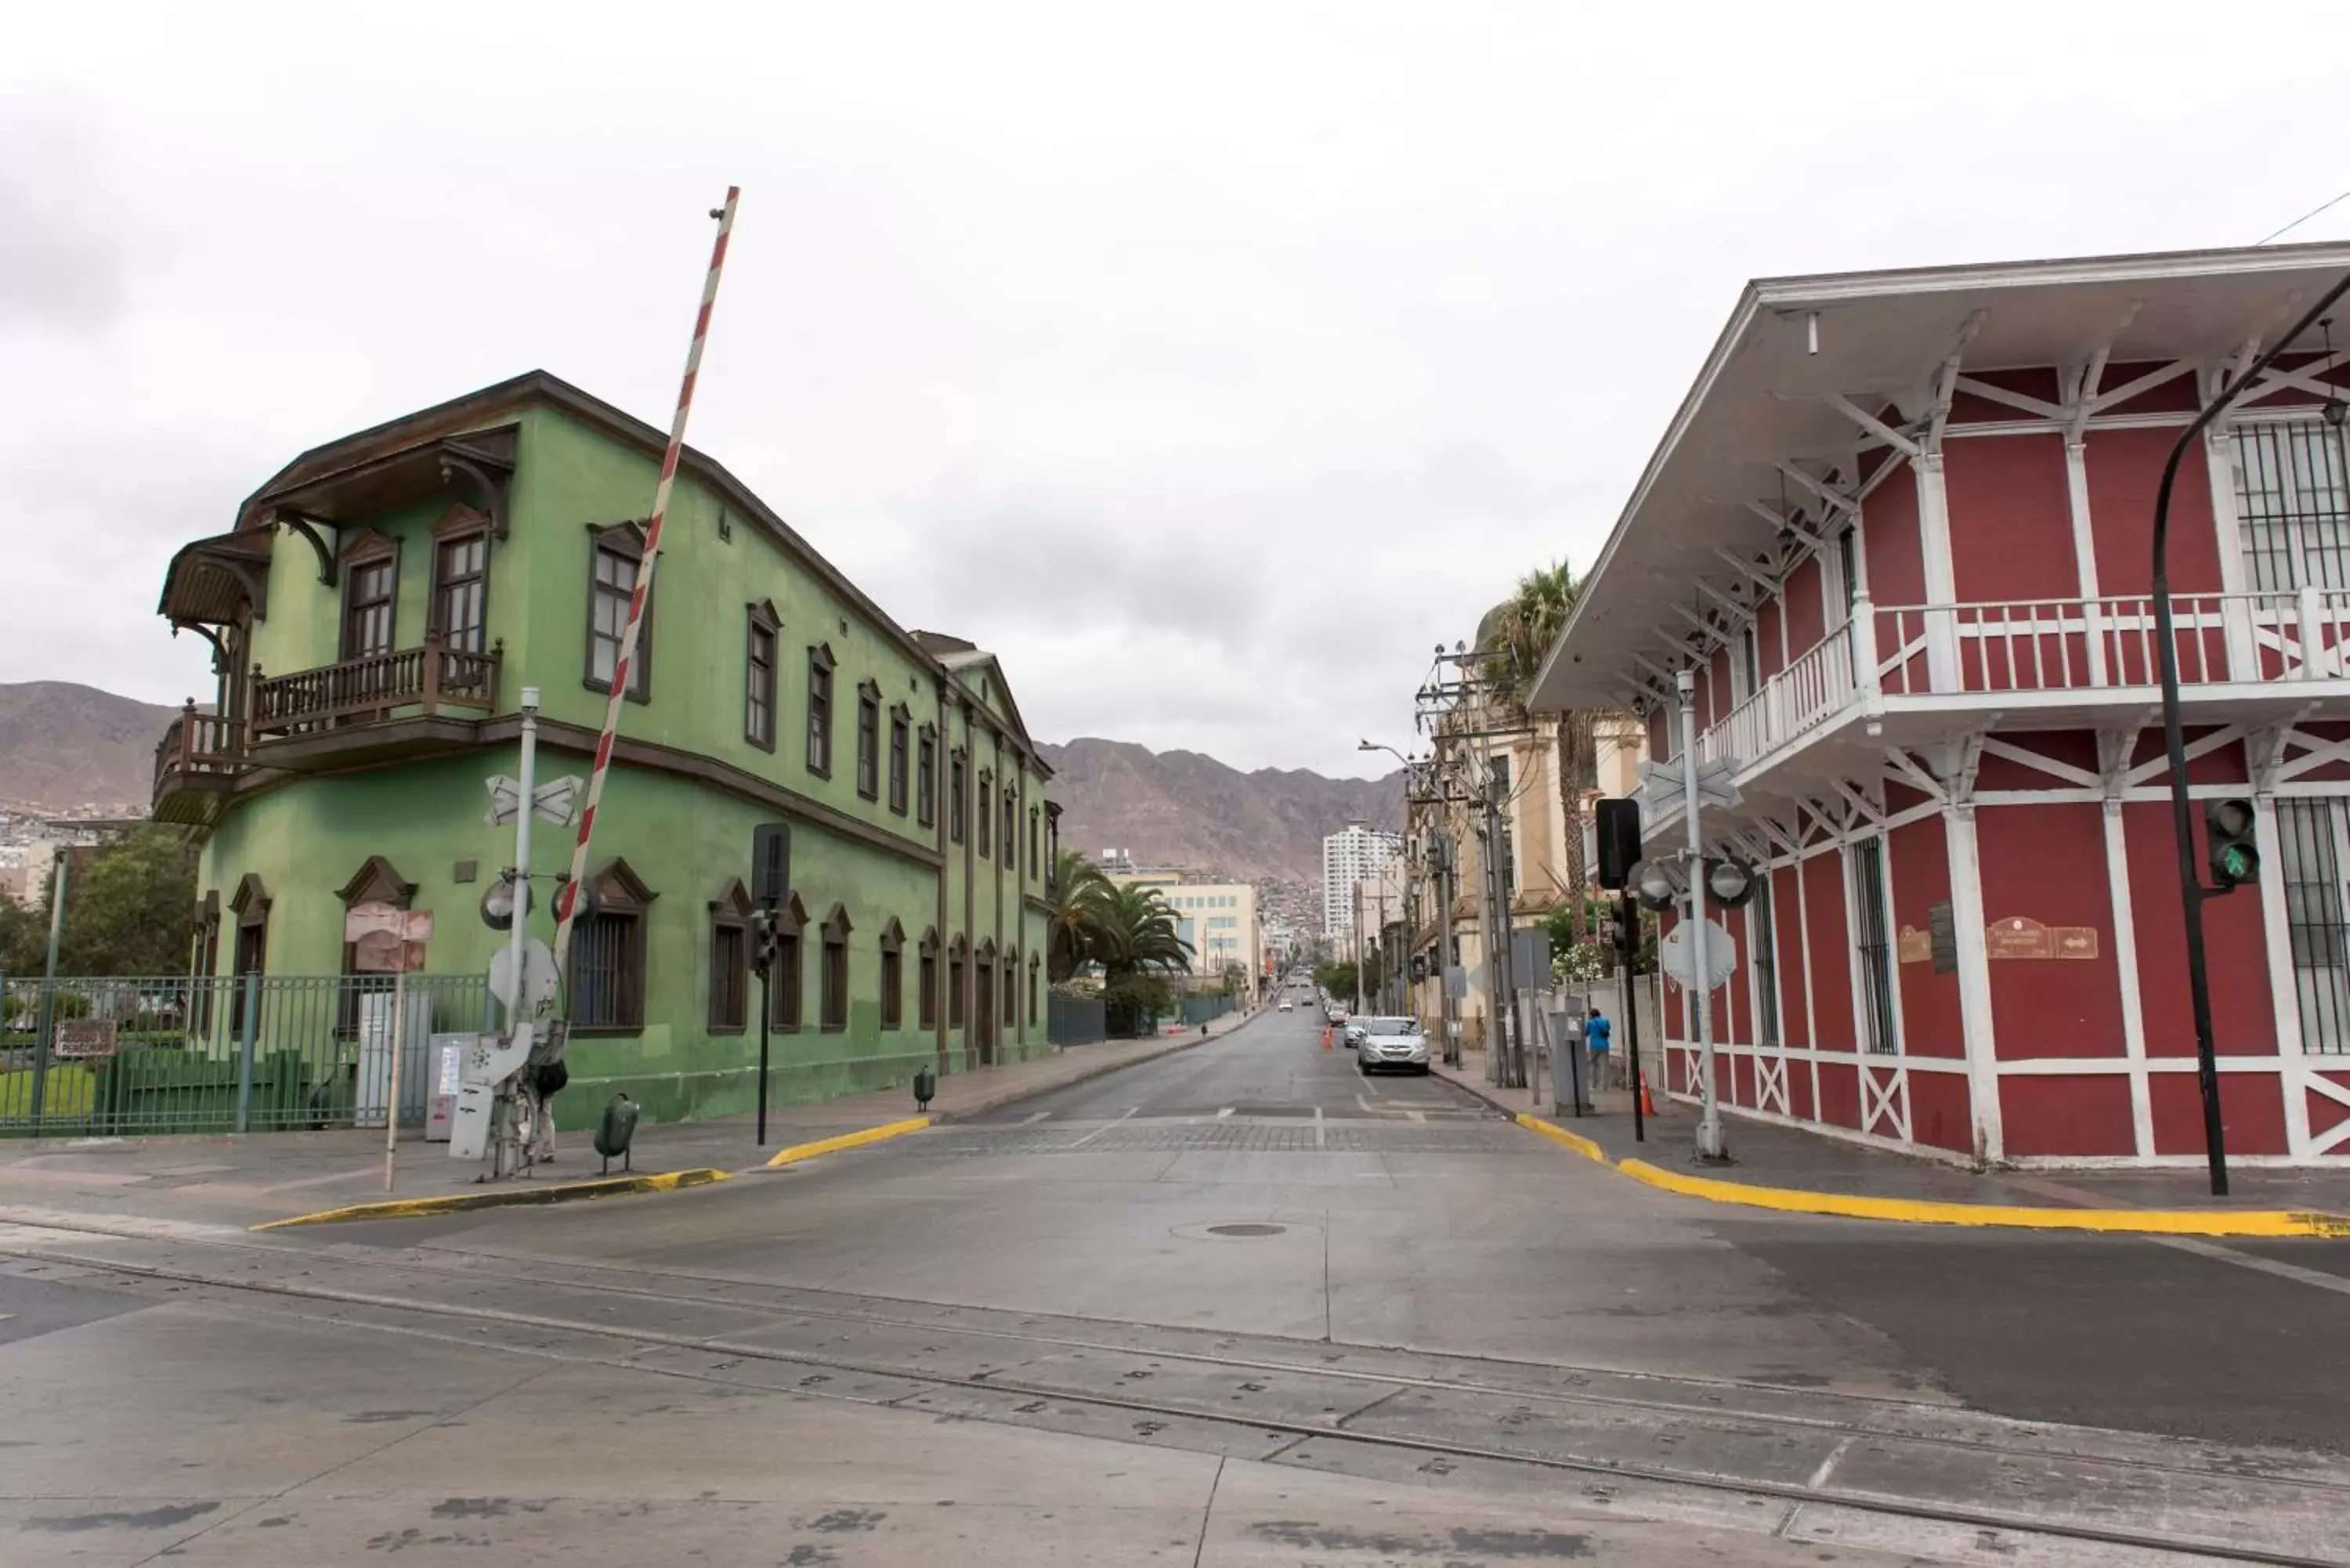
(1811, 1008)
(2085, 545)
(1963, 846)
(2133, 1001)
(2039, 761)
(2220, 474)
(1941, 573)
(2285, 986)
(1830, 1130)
(2063, 1066)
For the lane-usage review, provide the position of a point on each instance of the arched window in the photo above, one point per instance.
(730, 959)
(608, 953)
(928, 979)
(833, 993)
(893, 975)
(786, 975)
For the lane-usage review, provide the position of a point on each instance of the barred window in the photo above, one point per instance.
(2309, 840)
(2292, 504)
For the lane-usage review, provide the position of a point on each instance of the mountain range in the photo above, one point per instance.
(71, 748)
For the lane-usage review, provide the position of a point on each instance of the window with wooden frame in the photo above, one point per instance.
(1032, 844)
(607, 954)
(955, 987)
(927, 978)
(370, 596)
(760, 636)
(460, 581)
(893, 975)
(616, 557)
(786, 979)
(208, 927)
(251, 954)
(926, 777)
(868, 739)
(1034, 1011)
(729, 960)
(958, 796)
(1012, 989)
(986, 810)
(832, 995)
(819, 725)
(1010, 828)
(900, 723)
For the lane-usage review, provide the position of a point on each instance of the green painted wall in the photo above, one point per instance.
(305, 836)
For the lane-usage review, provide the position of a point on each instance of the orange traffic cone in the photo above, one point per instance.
(1647, 1105)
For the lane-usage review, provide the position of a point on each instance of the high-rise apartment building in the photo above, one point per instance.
(1357, 855)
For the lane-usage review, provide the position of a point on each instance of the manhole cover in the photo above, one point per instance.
(1247, 1230)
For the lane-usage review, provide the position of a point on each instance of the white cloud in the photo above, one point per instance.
(1211, 365)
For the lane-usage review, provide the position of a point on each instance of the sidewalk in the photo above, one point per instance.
(250, 1181)
(1766, 1154)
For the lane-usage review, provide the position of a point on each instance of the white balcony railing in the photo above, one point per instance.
(2037, 645)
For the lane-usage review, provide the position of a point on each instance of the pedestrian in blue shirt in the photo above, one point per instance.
(1598, 1035)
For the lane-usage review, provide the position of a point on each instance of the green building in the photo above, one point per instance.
(376, 613)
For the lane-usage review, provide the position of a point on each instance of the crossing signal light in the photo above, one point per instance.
(2228, 837)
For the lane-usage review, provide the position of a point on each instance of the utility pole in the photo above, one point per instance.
(43, 1045)
(1709, 1126)
(1358, 943)
(1501, 995)
(1440, 851)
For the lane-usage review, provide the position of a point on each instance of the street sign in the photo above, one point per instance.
(538, 976)
(1664, 782)
(1677, 955)
(555, 801)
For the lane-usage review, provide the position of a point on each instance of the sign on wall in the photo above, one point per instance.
(386, 938)
(2017, 937)
(85, 1037)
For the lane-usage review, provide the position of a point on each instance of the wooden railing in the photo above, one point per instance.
(375, 688)
(199, 743)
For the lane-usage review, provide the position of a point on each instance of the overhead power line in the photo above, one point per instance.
(2305, 218)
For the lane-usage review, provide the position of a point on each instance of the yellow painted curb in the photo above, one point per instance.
(800, 1151)
(1552, 1130)
(503, 1198)
(1920, 1211)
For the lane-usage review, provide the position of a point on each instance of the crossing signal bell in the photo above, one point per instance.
(2227, 836)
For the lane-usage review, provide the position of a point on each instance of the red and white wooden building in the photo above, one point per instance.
(1900, 528)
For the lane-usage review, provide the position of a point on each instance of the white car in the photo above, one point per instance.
(1284, 1004)
(1386, 1043)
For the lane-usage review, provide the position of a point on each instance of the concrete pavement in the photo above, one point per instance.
(1236, 1304)
(273, 1178)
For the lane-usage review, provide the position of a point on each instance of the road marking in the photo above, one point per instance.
(1103, 1128)
(1828, 1466)
(1417, 1115)
(1318, 1130)
(1033, 1117)
(1222, 1114)
(2277, 1266)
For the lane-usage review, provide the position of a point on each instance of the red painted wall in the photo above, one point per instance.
(1831, 951)
(2087, 1113)
(1896, 570)
(2235, 951)
(2177, 395)
(2032, 380)
(1941, 1111)
(2076, 748)
(2010, 523)
(2047, 863)
(1785, 889)
(2124, 470)
(1804, 625)
(2251, 1113)
(1766, 639)
(1840, 1094)
(1661, 733)
(2326, 1113)
(1921, 862)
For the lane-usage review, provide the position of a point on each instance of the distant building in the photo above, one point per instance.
(1219, 919)
(1357, 854)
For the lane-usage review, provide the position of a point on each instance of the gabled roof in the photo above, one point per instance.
(1760, 396)
(969, 664)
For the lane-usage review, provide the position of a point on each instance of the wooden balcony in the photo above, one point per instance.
(381, 707)
(197, 764)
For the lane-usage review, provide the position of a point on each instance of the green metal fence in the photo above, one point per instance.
(123, 1054)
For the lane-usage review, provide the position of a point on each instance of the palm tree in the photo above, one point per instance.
(1520, 632)
(1073, 926)
(1136, 933)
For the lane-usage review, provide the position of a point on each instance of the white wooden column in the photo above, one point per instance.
(1804, 935)
(1941, 574)
(2238, 616)
(1974, 982)
(2285, 985)
(2133, 1000)
(2084, 551)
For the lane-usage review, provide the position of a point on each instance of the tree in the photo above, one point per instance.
(1520, 632)
(132, 911)
(1073, 926)
(1338, 979)
(1136, 932)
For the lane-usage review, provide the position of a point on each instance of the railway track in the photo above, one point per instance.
(1801, 1464)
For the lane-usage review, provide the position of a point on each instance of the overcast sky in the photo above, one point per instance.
(1209, 362)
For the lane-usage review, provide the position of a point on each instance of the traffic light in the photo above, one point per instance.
(1618, 835)
(2228, 839)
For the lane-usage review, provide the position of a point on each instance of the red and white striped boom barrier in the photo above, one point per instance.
(567, 910)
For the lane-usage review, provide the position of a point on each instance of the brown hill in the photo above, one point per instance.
(1182, 808)
(65, 747)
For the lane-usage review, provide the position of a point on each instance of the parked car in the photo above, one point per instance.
(1284, 1004)
(1391, 1043)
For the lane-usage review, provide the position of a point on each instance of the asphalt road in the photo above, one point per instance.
(1235, 1305)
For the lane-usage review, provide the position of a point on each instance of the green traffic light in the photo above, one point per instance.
(2237, 863)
